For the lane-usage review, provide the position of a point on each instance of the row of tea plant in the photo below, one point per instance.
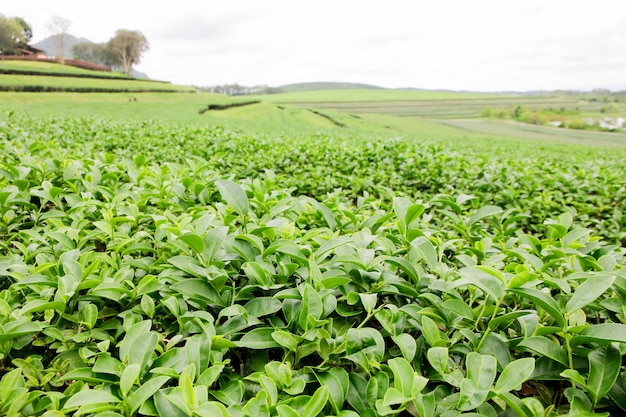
(151, 269)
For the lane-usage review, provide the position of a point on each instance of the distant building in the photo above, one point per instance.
(30, 51)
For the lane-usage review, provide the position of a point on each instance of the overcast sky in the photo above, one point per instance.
(480, 45)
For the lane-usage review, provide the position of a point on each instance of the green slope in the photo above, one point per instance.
(43, 68)
(443, 115)
(16, 82)
(29, 76)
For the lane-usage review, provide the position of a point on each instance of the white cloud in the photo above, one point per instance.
(452, 44)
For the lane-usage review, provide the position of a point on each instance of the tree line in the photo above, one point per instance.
(239, 90)
(124, 50)
(15, 33)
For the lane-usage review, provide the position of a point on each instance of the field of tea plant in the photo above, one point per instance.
(165, 269)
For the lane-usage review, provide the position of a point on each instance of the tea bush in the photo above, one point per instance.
(154, 269)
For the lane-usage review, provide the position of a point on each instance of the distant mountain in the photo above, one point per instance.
(311, 86)
(50, 47)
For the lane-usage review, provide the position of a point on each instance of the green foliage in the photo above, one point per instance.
(14, 31)
(166, 270)
(559, 117)
(126, 47)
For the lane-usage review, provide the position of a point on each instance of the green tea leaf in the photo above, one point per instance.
(90, 313)
(312, 306)
(285, 339)
(481, 369)
(234, 195)
(471, 396)
(260, 338)
(197, 289)
(438, 359)
(87, 375)
(425, 404)
(11, 382)
(210, 375)
(542, 300)
(604, 368)
(369, 301)
(270, 388)
(36, 306)
(257, 274)
(195, 242)
(514, 375)
(407, 345)
(187, 393)
(18, 328)
(142, 349)
(405, 266)
(618, 394)
(337, 381)
(316, 403)
(483, 280)
(403, 376)
(545, 347)
(230, 393)
(286, 411)
(575, 376)
(393, 396)
(357, 392)
(263, 306)
(430, 331)
(366, 340)
(211, 409)
(484, 212)
(129, 377)
(587, 292)
(426, 251)
(145, 391)
(603, 332)
(212, 242)
(327, 247)
(147, 305)
(90, 396)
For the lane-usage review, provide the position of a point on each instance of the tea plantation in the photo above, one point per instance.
(164, 269)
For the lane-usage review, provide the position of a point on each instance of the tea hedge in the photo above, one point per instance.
(150, 269)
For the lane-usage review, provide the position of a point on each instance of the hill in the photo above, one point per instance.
(50, 44)
(326, 85)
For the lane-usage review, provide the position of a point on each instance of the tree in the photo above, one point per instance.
(27, 31)
(98, 53)
(128, 46)
(11, 34)
(59, 26)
